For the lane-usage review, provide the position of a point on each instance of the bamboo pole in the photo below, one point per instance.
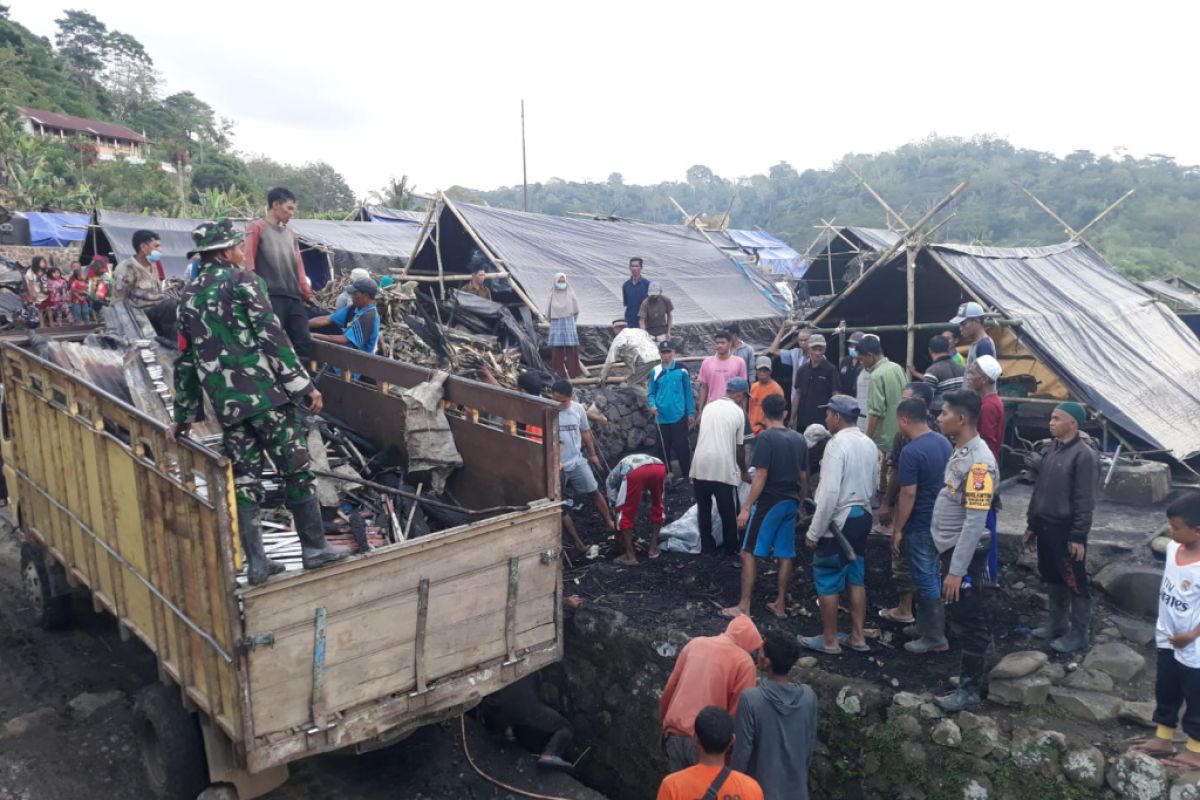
(421, 235)
(1078, 236)
(422, 277)
(490, 256)
(842, 328)
(862, 182)
(910, 280)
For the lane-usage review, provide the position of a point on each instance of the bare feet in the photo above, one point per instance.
(733, 612)
(778, 608)
(627, 560)
(573, 601)
(1185, 760)
(1154, 747)
(654, 552)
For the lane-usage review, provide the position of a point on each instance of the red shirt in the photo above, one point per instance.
(991, 423)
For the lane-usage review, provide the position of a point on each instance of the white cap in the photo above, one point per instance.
(967, 311)
(815, 434)
(358, 272)
(990, 367)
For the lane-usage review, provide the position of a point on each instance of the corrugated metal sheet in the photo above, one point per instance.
(1124, 353)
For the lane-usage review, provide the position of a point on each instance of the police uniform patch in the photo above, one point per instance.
(978, 489)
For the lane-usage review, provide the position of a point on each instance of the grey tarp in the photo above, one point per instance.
(385, 214)
(114, 236)
(359, 244)
(1123, 352)
(704, 284)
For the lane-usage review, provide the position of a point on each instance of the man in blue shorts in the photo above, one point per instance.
(849, 475)
(769, 517)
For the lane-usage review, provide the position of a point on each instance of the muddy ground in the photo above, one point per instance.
(66, 701)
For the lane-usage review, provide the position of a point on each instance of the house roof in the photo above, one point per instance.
(95, 127)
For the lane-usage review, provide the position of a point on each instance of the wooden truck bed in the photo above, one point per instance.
(311, 661)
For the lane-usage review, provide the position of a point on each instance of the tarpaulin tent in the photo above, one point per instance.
(773, 254)
(707, 288)
(56, 229)
(385, 214)
(1080, 322)
(851, 250)
(1180, 296)
(112, 236)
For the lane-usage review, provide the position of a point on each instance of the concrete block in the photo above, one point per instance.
(1142, 484)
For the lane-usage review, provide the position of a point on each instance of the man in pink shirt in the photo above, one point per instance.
(717, 371)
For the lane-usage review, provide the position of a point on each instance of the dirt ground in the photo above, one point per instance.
(66, 701)
(689, 591)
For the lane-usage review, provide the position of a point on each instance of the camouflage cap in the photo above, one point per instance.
(216, 235)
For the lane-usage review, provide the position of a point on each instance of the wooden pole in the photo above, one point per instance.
(490, 256)
(862, 181)
(910, 279)
(1071, 234)
(524, 168)
(421, 235)
(1102, 215)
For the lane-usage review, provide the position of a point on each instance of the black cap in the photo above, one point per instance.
(665, 347)
(870, 345)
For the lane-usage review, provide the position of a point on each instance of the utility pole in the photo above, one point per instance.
(524, 168)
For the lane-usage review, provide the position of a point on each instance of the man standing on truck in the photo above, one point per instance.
(273, 251)
(232, 349)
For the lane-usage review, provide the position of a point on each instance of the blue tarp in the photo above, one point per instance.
(47, 229)
(774, 254)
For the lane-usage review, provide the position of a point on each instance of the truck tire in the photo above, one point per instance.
(50, 611)
(171, 744)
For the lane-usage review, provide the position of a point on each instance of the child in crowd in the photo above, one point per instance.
(1177, 685)
(81, 306)
(56, 287)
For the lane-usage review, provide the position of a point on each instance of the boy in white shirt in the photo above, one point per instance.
(1177, 685)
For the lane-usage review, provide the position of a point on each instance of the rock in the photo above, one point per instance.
(907, 700)
(930, 711)
(1135, 630)
(977, 787)
(1019, 664)
(1132, 587)
(910, 727)
(848, 701)
(1088, 706)
(1112, 633)
(1119, 660)
(1038, 751)
(912, 753)
(1137, 714)
(808, 662)
(1141, 483)
(1137, 776)
(980, 735)
(1084, 765)
(1159, 545)
(19, 726)
(1054, 672)
(88, 703)
(1100, 638)
(1092, 680)
(1032, 690)
(946, 733)
(1185, 786)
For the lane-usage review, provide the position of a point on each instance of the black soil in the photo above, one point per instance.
(687, 592)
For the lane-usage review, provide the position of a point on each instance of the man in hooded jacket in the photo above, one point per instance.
(710, 671)
(777, 724)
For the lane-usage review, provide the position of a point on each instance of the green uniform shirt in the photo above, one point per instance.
(232, 348)
(887, 385)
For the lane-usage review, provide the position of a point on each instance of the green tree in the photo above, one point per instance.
(81, 40)
(396, 194)
(317, 185)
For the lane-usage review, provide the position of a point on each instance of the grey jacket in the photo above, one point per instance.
(775, 736)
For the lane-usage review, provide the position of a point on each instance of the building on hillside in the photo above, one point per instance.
(112, 141)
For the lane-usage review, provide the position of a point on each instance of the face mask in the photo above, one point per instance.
(154, 256)
(853, 352)
(560, 285)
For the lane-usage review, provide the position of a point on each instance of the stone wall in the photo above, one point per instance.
(57, 256)
(873, 743)
(628, 425)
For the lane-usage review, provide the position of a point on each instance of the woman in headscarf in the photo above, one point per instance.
(564, 337)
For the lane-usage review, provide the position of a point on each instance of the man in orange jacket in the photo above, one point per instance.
(710, 671)
(273, 251)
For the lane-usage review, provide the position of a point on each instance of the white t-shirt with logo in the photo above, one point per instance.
(1179, 606)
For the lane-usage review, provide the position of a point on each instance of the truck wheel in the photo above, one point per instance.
(50, 611)
(171, 744)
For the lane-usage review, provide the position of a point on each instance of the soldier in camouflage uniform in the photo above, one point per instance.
(233, 349)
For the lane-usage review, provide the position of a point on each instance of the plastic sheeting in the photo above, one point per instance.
(704, 285)
(1126, 354)
(773, 253)
(385, 214)
(117, 229)
(56, 229)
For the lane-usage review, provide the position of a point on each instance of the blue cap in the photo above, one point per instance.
(737, 385)
(843, 404)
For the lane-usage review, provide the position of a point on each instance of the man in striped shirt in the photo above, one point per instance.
(944, 374)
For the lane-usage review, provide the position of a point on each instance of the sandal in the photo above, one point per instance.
(817, 644)
(891, 616)
(844, 638)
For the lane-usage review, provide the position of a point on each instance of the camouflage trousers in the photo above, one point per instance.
(277, 434)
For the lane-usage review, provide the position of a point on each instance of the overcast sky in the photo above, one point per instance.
(647, 89)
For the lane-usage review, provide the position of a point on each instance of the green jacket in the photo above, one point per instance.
(232, 348)
(887, 385)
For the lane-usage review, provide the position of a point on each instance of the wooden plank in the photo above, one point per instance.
(318, 669)
(510, 607)
(419, 644)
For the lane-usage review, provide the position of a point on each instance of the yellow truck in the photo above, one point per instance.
(357, 654)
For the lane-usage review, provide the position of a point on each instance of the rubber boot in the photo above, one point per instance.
(931, 623)
(964, 698)
(1057, 624)
(258, 566)
(314, 550)
(1081, 623)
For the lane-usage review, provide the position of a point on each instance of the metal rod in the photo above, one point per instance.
(379, 487)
